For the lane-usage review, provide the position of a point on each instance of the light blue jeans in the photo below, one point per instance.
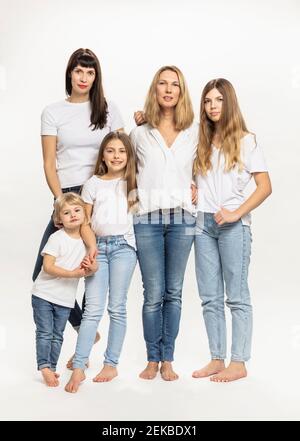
(222, 254)
(116, 260)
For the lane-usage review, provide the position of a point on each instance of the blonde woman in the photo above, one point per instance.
(164, 226)
(228, 157)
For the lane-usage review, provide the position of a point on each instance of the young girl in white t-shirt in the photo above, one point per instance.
(228, 157)
(54, 290)
(109, 202)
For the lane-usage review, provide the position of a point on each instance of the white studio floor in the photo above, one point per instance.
(271, 391)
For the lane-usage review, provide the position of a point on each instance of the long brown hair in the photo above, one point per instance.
(231, 128)
(184, 114)
(130, 169)
(87, 58)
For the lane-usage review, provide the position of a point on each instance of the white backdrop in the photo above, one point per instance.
(254, 44)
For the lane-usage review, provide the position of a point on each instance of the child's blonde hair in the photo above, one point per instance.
(71, 199)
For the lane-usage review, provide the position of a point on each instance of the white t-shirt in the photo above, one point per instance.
(69, 253)
(164, 173)
(226, 189)
(77, 144)
(110, 216)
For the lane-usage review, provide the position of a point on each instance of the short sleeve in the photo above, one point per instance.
(52, 247)
(88, 192)
(48, 125)
(116, 120)
(254, 157)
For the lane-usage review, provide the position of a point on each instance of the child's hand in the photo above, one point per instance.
(78, 272)
(89, 265)
(85, 262)
(94, 266)
(194, 194)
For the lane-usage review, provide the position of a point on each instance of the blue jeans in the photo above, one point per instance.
(222, 255)
(164, 239)
(76, 313)
(50, 320)
(116, 260)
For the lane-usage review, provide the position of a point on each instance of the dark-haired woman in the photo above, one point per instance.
(72, 131)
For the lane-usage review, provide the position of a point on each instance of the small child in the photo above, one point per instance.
(54, 291)
(108, 200)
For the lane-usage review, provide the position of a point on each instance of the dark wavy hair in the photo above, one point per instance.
(87, 58)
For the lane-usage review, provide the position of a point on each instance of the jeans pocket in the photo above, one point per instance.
(122, 243)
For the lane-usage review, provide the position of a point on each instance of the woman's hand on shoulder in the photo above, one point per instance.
(139, 118)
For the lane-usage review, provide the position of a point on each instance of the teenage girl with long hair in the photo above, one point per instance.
(228, 157)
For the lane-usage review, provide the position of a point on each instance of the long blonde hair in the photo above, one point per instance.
(231, 128)
(130, 169)
(184, 114)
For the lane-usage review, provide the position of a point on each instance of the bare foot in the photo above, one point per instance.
(234, 371)
(50, 377)
(214, 367)
(150, 372)
(107, 373)
(70, 362)
(76, 378)
(167, 372)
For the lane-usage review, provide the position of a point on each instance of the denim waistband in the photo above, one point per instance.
(109, 239)
(164, 211)
(170, 210)
(76, 189)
